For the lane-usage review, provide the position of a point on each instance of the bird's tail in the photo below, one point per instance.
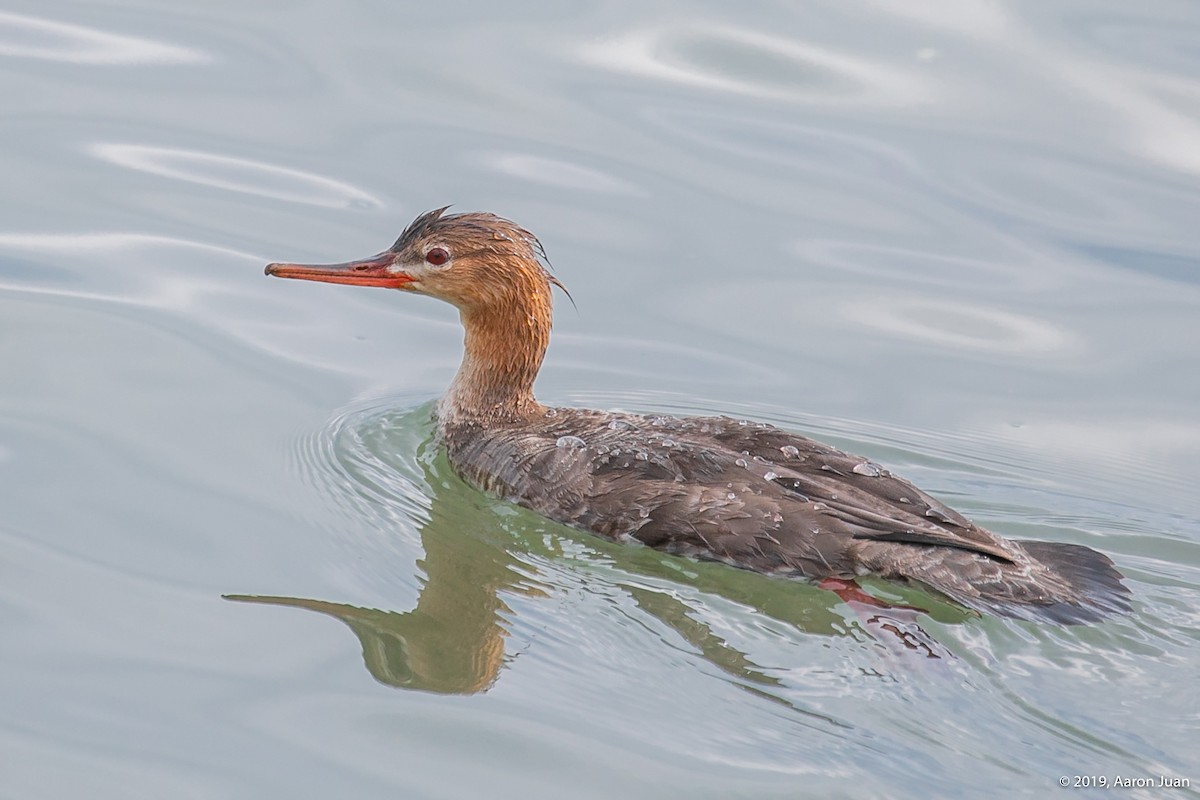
(1049, 581)
(1096, 590)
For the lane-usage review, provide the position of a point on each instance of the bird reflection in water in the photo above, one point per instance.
(453, 641)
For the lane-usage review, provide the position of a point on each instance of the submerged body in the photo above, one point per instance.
(715, 488)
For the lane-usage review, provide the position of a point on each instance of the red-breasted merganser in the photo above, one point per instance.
(714, 488)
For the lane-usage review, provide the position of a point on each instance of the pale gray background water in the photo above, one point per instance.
(959, 237)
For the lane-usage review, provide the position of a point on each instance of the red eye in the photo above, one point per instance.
(437, 256)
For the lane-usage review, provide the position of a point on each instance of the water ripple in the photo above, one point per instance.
(220, 287)
(756, 64)
(78, 255)
(926, 268)
(237, 175)
(370, 461)
(1126, 37)
(23, 36)
(1062, 194)
(812, 149)
(555, 172)
(962, 326)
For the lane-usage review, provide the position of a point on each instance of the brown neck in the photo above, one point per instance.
(504, 346)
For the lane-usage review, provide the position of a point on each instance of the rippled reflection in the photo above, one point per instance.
(23, 36)
(961, 326)
(1154, 447)
(1155, 112)
(451, 643)
(553, 172)
(787, 144)
(756, 64)
(1064, 195)
(218, 286)
(237, 175)
(1125, 36)
(937, 272)
(975, 18)
(78, 261)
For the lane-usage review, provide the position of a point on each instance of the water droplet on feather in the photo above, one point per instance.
(940, 516)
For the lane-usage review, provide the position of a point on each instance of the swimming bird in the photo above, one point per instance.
(714, 488)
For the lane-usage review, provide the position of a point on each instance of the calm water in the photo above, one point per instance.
(957, 237)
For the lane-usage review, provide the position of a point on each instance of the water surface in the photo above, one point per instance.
(958, 238)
